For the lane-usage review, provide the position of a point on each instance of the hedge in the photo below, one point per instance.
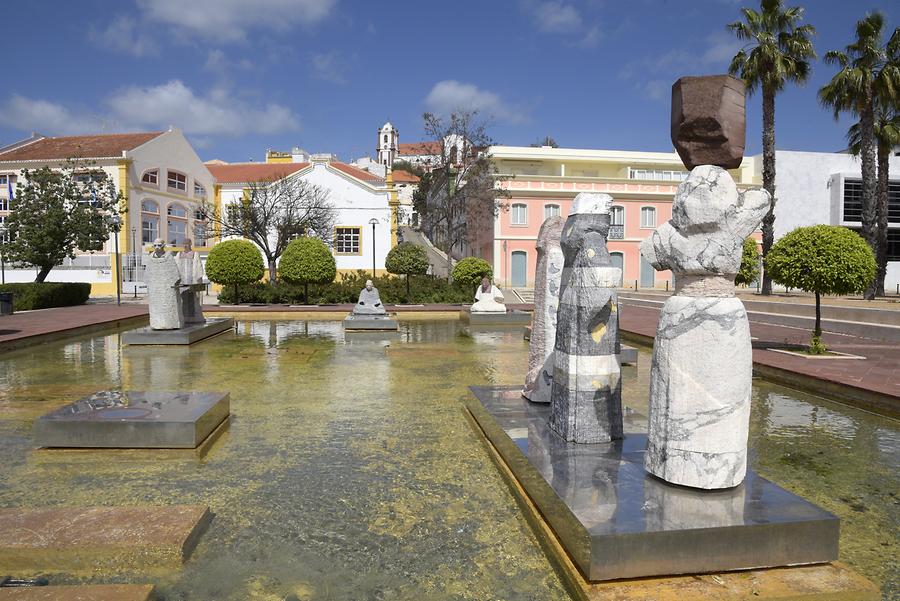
(44, 295)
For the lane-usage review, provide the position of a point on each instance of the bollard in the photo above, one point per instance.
(667, 285)
(635, 284)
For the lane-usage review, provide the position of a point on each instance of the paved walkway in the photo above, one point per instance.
(873, 383)
(32, 327)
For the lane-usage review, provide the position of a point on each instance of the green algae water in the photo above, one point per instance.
(349, 470)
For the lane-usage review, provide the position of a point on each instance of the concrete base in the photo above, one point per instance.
(84, 592)
(628, 355)
(510, 318)
(616, 521)
(146, 420)
(370, 322)
(187, 335)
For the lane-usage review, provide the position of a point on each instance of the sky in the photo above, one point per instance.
(241, 76)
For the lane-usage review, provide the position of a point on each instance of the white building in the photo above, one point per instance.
(826, 188)
(161, 177)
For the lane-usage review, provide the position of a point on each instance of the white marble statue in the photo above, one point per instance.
(369, 302)
(702, 365)
(488, 298)
(163, 293)
(191, 273)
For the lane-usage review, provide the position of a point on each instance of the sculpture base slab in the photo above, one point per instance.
(510, 318)
(617, 521)
(94, 592)
(139, 420)
(189, 334)
(373, 323)
(628, 355)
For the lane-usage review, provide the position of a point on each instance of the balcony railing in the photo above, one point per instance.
(616, 232)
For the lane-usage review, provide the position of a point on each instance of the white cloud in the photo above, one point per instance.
(721, 48)
(451, 95)
(232, 20)
(554, 17)
(218, 62)
(123, 35)
(30, 114)
(328, 67)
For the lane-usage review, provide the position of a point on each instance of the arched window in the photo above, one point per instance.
(616, 215)
(385, 138)
(149, 221)
(176, 224)
(151, 176)
(176, 181)
(453, 155)
(199, 191)
(551, 210)
(519, 214)
(648, 217)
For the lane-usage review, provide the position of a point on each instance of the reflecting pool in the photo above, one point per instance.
(349, 469)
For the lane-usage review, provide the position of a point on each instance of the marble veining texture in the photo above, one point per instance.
(164, 296)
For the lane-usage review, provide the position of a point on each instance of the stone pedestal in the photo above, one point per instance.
(508, 318)
(356, 322)
(189, 334)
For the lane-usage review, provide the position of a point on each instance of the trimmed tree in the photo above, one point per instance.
(407, 259)
(469, 271)
(749, 270)
(822, 259)
(307, 261)
(234, 262)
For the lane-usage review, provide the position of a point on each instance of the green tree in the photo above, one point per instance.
(545, 141)
(749, 269)
(778, 51)
(307, 261)
(823, 259)
(57, 212)
(234, 262)
(469, 271)
(408, 259)
(869, 76)
(408, 167)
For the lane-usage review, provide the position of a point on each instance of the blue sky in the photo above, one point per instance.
(239, 76)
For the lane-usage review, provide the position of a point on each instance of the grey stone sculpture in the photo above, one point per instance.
(702, 365)
(191, 273)
(586, 396)
(486, 296)
(163, 281)
(369, 302)
(547, 279)
(708, 120)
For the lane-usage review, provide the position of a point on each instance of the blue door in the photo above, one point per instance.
(648, 274)
(519, 269)
(618, 261)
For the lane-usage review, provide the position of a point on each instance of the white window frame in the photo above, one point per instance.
(548, 212)
(648, 211)
(354, 242)
(180, 186)
(148, 174)
(513, 215)
(617, 209)
(199, 190)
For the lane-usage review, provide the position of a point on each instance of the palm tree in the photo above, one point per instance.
(778, 50)
(869, 75)
(887, 136)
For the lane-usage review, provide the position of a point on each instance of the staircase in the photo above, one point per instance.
(441, 265)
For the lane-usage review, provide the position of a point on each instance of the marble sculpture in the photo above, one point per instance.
(191, 273)
(163, 282)
(486, 296)
(586, 395)
(548, 276)
(369, 302)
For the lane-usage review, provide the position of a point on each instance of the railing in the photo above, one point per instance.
(616, 232)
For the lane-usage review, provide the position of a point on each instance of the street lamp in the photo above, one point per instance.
(4, 229)
(373, 222)
(133, 262)
(116, 223)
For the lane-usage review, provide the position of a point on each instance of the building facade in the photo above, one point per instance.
(163, 182)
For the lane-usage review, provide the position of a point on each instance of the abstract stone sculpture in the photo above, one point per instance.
(586, 396)
(547, 279)
(369, 302)
(708, 120)
(486, 296)
(191, 273)
(163, 281)
(702, 366)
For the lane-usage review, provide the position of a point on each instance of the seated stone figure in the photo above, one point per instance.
(486, 297)
(369, 301)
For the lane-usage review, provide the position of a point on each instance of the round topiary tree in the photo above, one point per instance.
(234, 262)
(407, 259)
(749, 270)
(307, 261)
(823, 259)
(469, 271)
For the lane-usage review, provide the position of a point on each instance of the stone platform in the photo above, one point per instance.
(374, 323)
(187, 335)
(147, 420)
(513, 317)
(86, 592)
(616, 521)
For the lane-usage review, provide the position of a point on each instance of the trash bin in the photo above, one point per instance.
(6, 303)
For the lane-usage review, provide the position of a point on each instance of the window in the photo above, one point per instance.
(199, 190)
(648, 217)
(148, 206)
(853, 201)
(551, 211)
(616, 215)
(149, 221)
(177, 211)
(177, 181)
(232, 214)
(90, 177)
(519, 214)
(658, 175)
(7, 186)
(385, 138)
(176, 224)
(346, 240)
(5, 237)
(200, 233)
(893, 245)
(151, 177)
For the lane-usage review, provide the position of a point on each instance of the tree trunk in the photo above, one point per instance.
(869, 181)
(768, 148)
(42, 274)
(305, 293)
(273, 271)
(237, 295)
(818, 331)
(881, 216)
(408, 300)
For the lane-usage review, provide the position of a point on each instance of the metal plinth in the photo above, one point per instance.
(372, 323)
(616, 521)
(189, 334)
(143, 420)
(510, 318)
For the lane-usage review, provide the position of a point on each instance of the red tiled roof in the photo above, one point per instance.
(62, 148)
(240, 173)
(405, 177)
(419, 148)
(357, 173)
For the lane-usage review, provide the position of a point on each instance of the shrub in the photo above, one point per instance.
(234, 262)
(824, 259)
(45, 295)
(469, 271)
(407, 259)
(307, 261)
(749, 270)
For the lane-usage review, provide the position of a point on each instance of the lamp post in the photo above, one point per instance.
(133, 262)
(116, 226)
(4, 229)
(373, 222)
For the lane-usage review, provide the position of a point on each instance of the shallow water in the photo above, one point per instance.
(349, 470)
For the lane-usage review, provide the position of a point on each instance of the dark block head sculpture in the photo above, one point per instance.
(708, 120)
